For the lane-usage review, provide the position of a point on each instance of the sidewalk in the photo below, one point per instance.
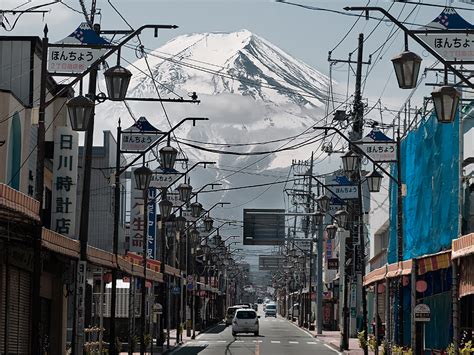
(333, 339)
(173, 346)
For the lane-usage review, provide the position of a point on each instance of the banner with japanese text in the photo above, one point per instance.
(63, 212)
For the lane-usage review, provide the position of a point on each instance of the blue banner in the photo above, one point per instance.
(151, 249)
(430, 170)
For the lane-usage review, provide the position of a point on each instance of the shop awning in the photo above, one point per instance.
(425, 264)
(463, 246)
(57, 243)
(19, 203)
(466, 279)
(434, 262)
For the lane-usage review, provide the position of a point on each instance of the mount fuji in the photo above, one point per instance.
(250, 90)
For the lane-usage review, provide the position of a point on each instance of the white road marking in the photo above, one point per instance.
(275, 342)
(294, 342)
(238, 341)
(311, 342)
(222, 341)
(331, 348)
(257, 341)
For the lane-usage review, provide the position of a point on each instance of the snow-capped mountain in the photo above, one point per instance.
(250, 90)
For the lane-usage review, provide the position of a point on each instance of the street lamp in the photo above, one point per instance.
(180, 223)
(374, 179)
(318, 218)
(194, 234)
(341, 219)
(117, 79)
(168, 157)
(185, 191)
(196, 209)
(323, 203)
(407, 67)
(208, 222)
(165, 208)
(331, 231)
(142, 177)
(80, 110)
(446, 100)
(350, 161)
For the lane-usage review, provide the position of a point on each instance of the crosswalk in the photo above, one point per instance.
(249, 341)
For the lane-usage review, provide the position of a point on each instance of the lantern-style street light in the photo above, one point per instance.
(196, 209)
(185, 191)
(142, 177)
(168, 157)
(350, 161)
(318, 218)
(117, 79)
(208, 222)
(80, 112)
(180, 223)
(374, 180)
(341, 218)
(331, 231)
(446, 99)
(194, 234)
(323, 203)
(165, 208)
(407, 67)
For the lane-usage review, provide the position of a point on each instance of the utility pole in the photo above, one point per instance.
(356, 207)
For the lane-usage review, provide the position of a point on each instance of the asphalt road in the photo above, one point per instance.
(277, 337)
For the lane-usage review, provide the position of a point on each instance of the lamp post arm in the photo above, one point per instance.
(202, 216)
(414, 37)
(167, 134)
(360, 151)
(105, 56)
(180, 207)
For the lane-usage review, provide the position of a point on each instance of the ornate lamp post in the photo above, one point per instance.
(142, 182)
(350, 161)
(80, 110)
(407, 67)
(117, 79)
(341, 219)
(374, 179)
(446, 99)
(168, 157)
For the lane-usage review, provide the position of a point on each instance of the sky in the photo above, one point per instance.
(305, 34)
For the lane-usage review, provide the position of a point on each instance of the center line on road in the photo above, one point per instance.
(257, 341)
(238, 341)
(294, 342)
(221, 341)
(275, 342)
(311, 342)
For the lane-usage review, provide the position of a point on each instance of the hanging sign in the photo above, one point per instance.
(341, 188)
(162, 178)
(422, 313)
(173, 197)
(77, 52)
(151, 248)
(63, 214)
(378, 147)
(139, 137)
(450, 35)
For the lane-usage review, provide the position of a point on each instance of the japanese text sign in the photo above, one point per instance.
(64, 181)
(63, 59)
(451, 46)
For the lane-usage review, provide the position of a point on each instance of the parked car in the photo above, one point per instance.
(231, 312)
(271, 310)
(245, 321)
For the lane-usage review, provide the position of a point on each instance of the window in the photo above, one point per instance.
(271, 306)
(246, 315)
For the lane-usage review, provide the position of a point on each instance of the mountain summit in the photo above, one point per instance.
(237, 63)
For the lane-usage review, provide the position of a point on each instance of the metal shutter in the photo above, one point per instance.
(18, 332)
(2, 307)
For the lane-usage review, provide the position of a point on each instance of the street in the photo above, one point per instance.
(277, 337)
